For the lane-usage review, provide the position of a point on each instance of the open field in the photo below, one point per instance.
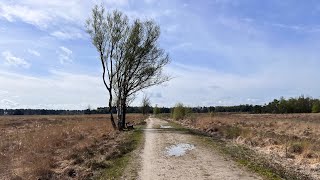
(51, 147)
(291, 140)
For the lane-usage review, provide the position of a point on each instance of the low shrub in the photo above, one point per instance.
(179, 112)
(298, 147)
(232, 132)
(316, 107)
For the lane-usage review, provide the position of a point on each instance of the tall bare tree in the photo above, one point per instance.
(130, 55)
(143, 62)
(106, 35)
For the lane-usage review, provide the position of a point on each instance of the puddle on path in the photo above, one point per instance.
(179, 149)
(165, 127)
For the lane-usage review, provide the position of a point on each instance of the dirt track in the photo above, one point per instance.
(199, 162)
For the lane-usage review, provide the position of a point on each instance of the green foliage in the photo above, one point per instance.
(130, 55)
(300, 104)
(156, 110)
(316, 107)
(145, 107)
(179, 111)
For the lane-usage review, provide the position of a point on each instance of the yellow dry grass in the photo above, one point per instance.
(56, 146)
(292, 136)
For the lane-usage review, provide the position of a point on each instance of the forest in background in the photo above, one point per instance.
(301, 104)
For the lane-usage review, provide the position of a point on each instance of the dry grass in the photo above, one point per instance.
(295, 138)
(49, 147)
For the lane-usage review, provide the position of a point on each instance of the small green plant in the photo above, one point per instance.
(298, 147)
(156, 110)
(316, 107)
(179, 112)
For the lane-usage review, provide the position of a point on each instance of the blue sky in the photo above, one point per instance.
(223, 52)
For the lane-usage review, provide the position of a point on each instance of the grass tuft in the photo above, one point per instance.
(119, 162)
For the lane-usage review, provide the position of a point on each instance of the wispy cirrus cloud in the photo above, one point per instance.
(69, 33)
(65, 55)
(47, 14)
(11, 60)
(50, 91)
(231, 52)
(206, 87)
(12, 12)
(64, 35)
(8, 104)
(34, 52)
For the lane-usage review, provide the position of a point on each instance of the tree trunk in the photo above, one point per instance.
(122, 122)
(124, 111)
(118, 114)
(119, 110)
(111, 113)
(119, 117)
(112, 119)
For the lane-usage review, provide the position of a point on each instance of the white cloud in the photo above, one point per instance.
(68, 33)
(66, 50)
(29, 15)
(58, 90)
(65, 35)
(46, 14)
(11, 60)
(33, 52)
(255, 64)
(239, 25)
(65, 55)
(194, 85)
(3, 92)
(8, 104)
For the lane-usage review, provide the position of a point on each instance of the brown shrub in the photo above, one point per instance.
(267, 131)
(42, 146)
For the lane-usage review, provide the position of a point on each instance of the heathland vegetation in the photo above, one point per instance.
(300, 104)
(64, 146)
(278, 139)
(284, 144)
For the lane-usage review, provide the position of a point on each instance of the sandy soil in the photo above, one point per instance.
(198, 163)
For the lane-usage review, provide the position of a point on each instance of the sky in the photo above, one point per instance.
(223, 52)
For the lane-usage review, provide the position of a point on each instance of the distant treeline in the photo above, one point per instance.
(301, 104)
(100, 110)
(39, 112)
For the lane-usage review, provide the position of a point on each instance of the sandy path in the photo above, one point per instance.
(198, 163)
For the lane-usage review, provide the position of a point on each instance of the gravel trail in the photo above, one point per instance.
(163, 158)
